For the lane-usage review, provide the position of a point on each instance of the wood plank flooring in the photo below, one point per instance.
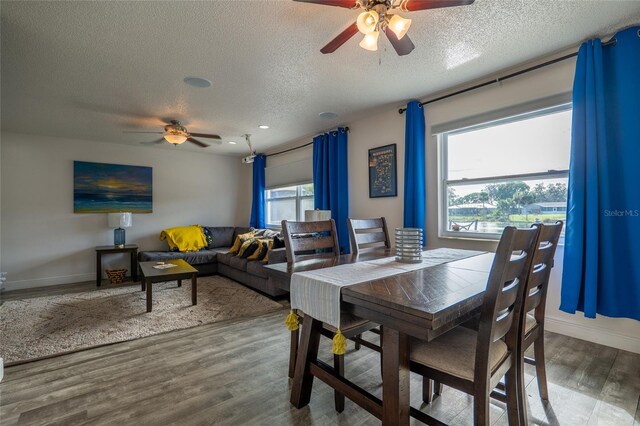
(235, 373)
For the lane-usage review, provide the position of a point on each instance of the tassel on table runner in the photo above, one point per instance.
(339, 343)
(291, 321)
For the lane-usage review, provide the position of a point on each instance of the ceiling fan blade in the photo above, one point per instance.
(206, 135)
(197, 142)
(342, 38)
(156, 142)
(412, 5)
(350, 4)
(129, 131)
(404, 46)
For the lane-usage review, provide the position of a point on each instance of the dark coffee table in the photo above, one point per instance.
(181, 271)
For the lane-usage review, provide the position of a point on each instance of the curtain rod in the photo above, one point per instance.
(346, 129)
(611, 42)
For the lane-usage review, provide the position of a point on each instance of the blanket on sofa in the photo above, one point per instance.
(185, 238)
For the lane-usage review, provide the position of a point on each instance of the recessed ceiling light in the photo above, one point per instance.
(328, 115)
(263, 126)
(198, 82)
(232, 143)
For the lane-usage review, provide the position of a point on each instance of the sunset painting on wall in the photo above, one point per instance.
(110, 188)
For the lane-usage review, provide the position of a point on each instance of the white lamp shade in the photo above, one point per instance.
(399, 25)
(367, 21)
(316, 215)
(120, 220)
(175, 138)
(370, 41)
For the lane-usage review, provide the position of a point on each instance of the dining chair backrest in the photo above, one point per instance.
(310, 239)
(503, 297)
(366, 233)
(540, 269)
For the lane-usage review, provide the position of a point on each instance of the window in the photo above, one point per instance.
(509, 172)
(288, 203)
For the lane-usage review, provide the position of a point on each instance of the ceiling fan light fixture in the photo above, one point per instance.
(367, 21)
(370, 41)
(175, 139)
(399, 25)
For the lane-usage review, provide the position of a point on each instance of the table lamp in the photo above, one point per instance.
(316, 215)
(119, 221)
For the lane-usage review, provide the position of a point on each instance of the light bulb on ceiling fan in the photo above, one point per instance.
(367, 21)
(399, 25)
(370, 41)
(175, 139)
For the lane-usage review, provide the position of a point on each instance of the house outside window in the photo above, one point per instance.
(288, 203)
(507, 172)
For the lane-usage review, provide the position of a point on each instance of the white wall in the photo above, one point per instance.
(45, 243)
(388, 127)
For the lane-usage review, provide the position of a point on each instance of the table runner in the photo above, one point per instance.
(318, 293)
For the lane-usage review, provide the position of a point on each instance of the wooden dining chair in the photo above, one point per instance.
(368, 233)
(532, 316)
(475, 361)
(310, 240)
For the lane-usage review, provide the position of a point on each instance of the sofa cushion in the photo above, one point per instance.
(221, 236)
(192, 258)
(238, 263)
(200, 257)
(257, 268)
(225, 258)
(159, 256)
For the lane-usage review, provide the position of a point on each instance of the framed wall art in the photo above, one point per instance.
(383, 173)
(111, 188)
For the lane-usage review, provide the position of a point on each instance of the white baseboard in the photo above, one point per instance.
(593, 333)
(48, 281)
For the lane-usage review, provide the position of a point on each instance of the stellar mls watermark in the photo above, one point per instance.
(622, 213)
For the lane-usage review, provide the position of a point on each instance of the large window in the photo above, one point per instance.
(288, 203)
(510, 172)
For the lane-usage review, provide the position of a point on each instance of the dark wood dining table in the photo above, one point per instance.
(421, 304)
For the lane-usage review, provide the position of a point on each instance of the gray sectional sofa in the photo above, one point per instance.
(215, 259)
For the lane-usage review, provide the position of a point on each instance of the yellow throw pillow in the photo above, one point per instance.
(185, 238)
(240, 239)
(261, 251)
(269, 247)
(245, 246)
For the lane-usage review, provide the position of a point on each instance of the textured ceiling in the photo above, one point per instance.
(91, 70)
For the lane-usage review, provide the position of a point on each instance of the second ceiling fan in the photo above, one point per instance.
(175, 133)
(380, 16)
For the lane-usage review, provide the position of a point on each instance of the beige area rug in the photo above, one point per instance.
(44, 326)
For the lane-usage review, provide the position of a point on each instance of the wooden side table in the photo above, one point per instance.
(132, 249)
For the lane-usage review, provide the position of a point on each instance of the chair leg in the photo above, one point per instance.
(522, 393)
(481, 408)
(381, 354)
(541, 371)
(427, 390)
(359, 336)
(338, 365)
(511, 385)
(293, 352)
(437, 388)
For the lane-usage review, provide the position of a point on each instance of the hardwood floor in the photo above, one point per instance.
(235, 373)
